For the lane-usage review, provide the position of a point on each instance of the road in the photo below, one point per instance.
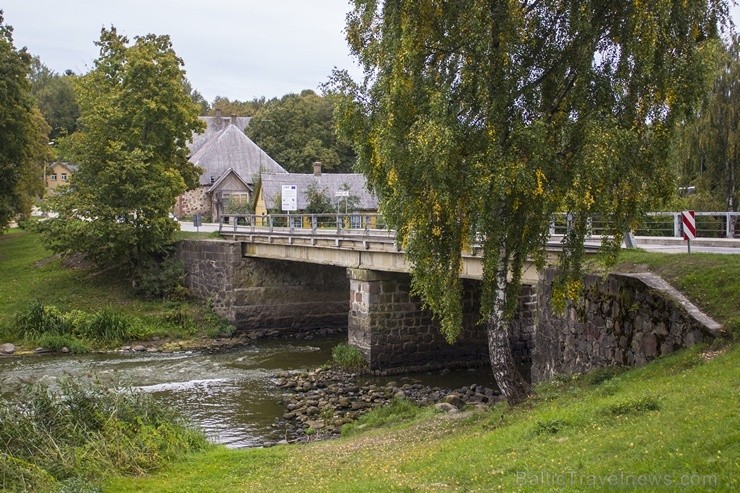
(652, 244)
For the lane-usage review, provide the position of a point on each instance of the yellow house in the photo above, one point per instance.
(58, 174)
(346, 192)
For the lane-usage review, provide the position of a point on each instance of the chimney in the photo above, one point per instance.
(233, 119)
(218, 116)
(317, 168)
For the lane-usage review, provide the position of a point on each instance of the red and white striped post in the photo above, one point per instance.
(689, 227)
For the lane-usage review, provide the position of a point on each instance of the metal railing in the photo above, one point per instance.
(304, 223)
(659, 224)
(656, 224)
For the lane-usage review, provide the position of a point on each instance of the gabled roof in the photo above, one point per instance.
(226, 174)
(230, 148)
(328, 183)
(71, 167)
(214, 125)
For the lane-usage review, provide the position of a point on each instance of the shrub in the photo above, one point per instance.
(348, 357)
(216, 326)
(107, 325)
(162, 279)
(80, 432)
(40, 319)
(55, 342)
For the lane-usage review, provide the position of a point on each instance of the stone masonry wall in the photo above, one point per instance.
(258, 294)
(196, 201)
(396, 334)
(625, 319)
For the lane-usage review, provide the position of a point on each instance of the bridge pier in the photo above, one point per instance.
(395, 332)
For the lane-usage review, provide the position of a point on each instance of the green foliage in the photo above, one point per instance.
(56, 342)
(216, 326)
(708, 154)
(107, 325)
(480, 119)
(348, 357)
(162, 278)
(298, 129)
(131, 149)
(40, 319)
(318, 199)
(235, 107)
(56, 98)
(24, 143)
(81, 431)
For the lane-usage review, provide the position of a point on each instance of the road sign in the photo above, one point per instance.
(689, 225)
(290, 198)
(342, 193)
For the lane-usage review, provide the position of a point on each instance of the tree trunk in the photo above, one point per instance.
(509, 380)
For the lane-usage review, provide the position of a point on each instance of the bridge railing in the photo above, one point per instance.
(316, 224)
(659, 224)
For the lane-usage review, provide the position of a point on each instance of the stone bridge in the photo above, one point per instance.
(300, 276)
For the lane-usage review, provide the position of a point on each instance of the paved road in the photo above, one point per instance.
(204, 228)
(664, 245)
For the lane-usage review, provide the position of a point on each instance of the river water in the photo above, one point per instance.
(229, 394)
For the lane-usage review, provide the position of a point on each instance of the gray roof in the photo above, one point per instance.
(224, 176)
(329, 183)
(230, 148)
(214, 125)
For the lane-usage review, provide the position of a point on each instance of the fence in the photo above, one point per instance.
(659, 224)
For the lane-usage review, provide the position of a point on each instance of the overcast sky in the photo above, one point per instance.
(240, 49)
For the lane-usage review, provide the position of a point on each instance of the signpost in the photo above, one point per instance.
(689, 227)
(290, 198)
(197, 221)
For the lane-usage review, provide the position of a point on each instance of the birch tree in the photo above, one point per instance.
(478, 119)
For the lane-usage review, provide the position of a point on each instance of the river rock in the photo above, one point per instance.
(64, 350)
(446, 407)
(138, 348)
(7, 348)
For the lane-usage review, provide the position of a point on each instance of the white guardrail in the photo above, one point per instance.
(655, 224)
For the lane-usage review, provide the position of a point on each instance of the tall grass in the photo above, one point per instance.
(78, 432)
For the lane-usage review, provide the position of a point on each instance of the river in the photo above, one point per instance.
(229, 394)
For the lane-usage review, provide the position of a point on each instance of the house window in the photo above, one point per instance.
(355, 222)
(213, 180)
(64, 176)
(54, 177)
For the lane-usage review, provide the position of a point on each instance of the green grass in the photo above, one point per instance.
(31, 275)
(72, 433)
(710, 281)
(672, 420)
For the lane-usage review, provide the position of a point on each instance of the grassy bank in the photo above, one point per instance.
(67, 436)
(710, 281)
(672, 425)
(34, 281)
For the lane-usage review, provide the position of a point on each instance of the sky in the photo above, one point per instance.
(239, 49)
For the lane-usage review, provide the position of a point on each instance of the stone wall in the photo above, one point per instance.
(192, 202)
(623, 319)
(257, 294)
(396, 334)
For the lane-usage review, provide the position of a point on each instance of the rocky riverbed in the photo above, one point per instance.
(319, 402)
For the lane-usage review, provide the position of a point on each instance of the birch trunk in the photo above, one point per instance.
(511, 383)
